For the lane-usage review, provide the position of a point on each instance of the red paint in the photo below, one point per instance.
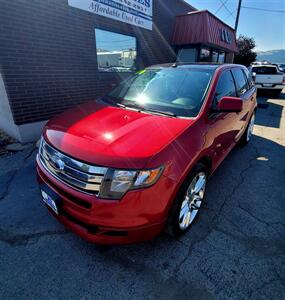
(202, 27)
(230, 104)
(138, 140)
(111, 136)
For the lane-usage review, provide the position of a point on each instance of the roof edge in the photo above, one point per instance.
(208, 12)
(184, 1)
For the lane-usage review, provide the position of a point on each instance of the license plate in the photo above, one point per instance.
(267, 84)
(49, 201)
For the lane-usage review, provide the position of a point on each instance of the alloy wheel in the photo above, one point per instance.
(192, 200)
(250, 128)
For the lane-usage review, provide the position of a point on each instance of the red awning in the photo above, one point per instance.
(202, 27)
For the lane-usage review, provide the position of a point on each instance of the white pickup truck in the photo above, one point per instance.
(268, 77)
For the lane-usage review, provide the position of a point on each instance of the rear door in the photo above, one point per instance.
(246, 91)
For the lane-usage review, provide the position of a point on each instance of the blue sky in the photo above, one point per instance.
(110, 41)
(267, 28)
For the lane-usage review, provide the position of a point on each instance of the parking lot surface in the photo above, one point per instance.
(235, 249)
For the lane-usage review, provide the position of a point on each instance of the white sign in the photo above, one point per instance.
(135, 12)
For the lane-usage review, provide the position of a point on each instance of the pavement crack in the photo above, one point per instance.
(8, 184)
(23, 239)
(14, 174)
(258, 219)
(175, 239)
(240, 206)
(191, 248)
(243, 171)
(239, 184)
(211, 224)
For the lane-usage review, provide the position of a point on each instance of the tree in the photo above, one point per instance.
(246, 55)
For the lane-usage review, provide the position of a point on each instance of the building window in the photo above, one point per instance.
(221, 57)
(115, 52)
(205, 55)
(187, 55)
(215, 56)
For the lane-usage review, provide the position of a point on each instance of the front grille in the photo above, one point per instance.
(79, 175)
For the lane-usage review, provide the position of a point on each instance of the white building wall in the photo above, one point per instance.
(6, 118)
(23, 133)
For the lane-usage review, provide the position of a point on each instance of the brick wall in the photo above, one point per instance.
(48, 54)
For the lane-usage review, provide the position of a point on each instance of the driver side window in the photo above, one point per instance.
(225, 87)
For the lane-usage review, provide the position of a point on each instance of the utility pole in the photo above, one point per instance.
(238, 13)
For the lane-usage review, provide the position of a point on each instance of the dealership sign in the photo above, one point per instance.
(135, 12)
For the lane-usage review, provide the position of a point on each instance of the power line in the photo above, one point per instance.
(220, 7)
(264, 9)
(224, 4)
(230, 15)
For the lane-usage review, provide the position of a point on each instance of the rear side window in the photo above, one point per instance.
(264, 70)
(240, 81)
(249, 78)
(225, 87)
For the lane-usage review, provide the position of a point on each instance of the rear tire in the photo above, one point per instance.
(188, 202)
(246, 137)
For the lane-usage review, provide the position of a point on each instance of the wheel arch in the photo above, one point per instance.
(206, 161)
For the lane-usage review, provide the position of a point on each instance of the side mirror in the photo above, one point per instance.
(230, 104)
(253, 76)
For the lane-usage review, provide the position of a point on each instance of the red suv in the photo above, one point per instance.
(136, 161)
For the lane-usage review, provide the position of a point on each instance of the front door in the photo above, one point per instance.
(223, 126)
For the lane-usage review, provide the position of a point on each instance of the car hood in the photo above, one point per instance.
(112, 136)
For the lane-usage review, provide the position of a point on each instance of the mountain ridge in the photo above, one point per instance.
(273, 56)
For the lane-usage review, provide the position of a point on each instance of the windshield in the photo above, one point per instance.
(180, 92)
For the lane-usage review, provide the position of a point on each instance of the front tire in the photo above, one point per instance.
(188, 201)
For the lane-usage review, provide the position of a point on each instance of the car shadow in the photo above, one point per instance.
(269, 111)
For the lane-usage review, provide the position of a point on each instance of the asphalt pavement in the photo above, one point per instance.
(235, 250)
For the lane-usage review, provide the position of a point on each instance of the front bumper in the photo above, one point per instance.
(140, 215)
(273, 87)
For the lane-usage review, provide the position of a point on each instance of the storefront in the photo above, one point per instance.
(58, 53)
(199, 36)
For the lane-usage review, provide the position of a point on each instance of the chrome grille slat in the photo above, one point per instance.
(95, 170)
(75, 173)
(83, 176)
(71, 180)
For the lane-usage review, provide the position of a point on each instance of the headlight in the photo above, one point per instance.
(117, 182)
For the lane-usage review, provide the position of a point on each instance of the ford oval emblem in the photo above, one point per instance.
(57, 163)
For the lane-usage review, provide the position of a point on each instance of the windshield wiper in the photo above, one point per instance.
(161, 112)
(111, 101)
(141, 108)
(137, 107)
